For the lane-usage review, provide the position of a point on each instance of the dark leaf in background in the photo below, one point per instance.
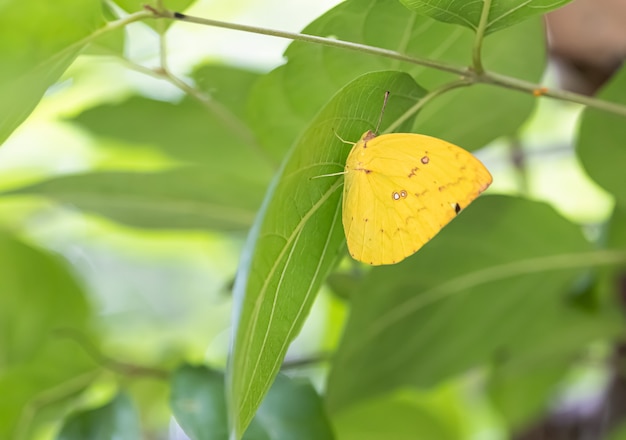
(182, 198)
(115, 420)
(291, 410)
(494, 283)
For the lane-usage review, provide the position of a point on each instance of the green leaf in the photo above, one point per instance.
(116, 420)
(38, 297)
(183, 198)
(522, 391)
(38, 41)
(601, 140)
(198, 402)
(298, 235)
(227, 85)
(465, 117)
(186, 131)
(111, 42)
(292, 408)
(502, 13)
(32, 307)
(493, 283)
(402, 416)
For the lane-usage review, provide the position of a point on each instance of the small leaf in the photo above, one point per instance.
(292, 408)
(116, 420)
(502, 13)
(601, 140)
(198, 402)
(298, 235)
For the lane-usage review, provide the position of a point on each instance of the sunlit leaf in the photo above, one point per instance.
(38, 41)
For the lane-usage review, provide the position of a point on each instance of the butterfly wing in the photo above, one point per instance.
(401, 190)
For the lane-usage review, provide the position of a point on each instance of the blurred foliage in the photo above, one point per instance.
(479, 332)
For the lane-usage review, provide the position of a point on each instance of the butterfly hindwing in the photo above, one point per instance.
(401, 189)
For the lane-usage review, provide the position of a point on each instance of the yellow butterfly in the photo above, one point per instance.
(401, 189)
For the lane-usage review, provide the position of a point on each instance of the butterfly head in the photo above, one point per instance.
(367, 136)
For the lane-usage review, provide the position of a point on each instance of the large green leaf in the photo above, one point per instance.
(186, 131)
(465, 117)
(493, 283)
(601, 137)
(502, 13)
(116, 420)
(183, 198)
(38, 41)
(292, 408)
(298, 235)
(38, 297)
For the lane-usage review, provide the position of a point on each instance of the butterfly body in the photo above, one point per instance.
(400, 189)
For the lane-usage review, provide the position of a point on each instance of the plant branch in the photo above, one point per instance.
(306, 362)
(537, 90)
(471, 76)
(478, 39)
(332, 42)
(123, 368)
(113, 25)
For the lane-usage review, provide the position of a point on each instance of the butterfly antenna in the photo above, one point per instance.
(382, 111)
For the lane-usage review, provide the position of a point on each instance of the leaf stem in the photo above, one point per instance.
(122, 368)
(425, 100)
(478, 39)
